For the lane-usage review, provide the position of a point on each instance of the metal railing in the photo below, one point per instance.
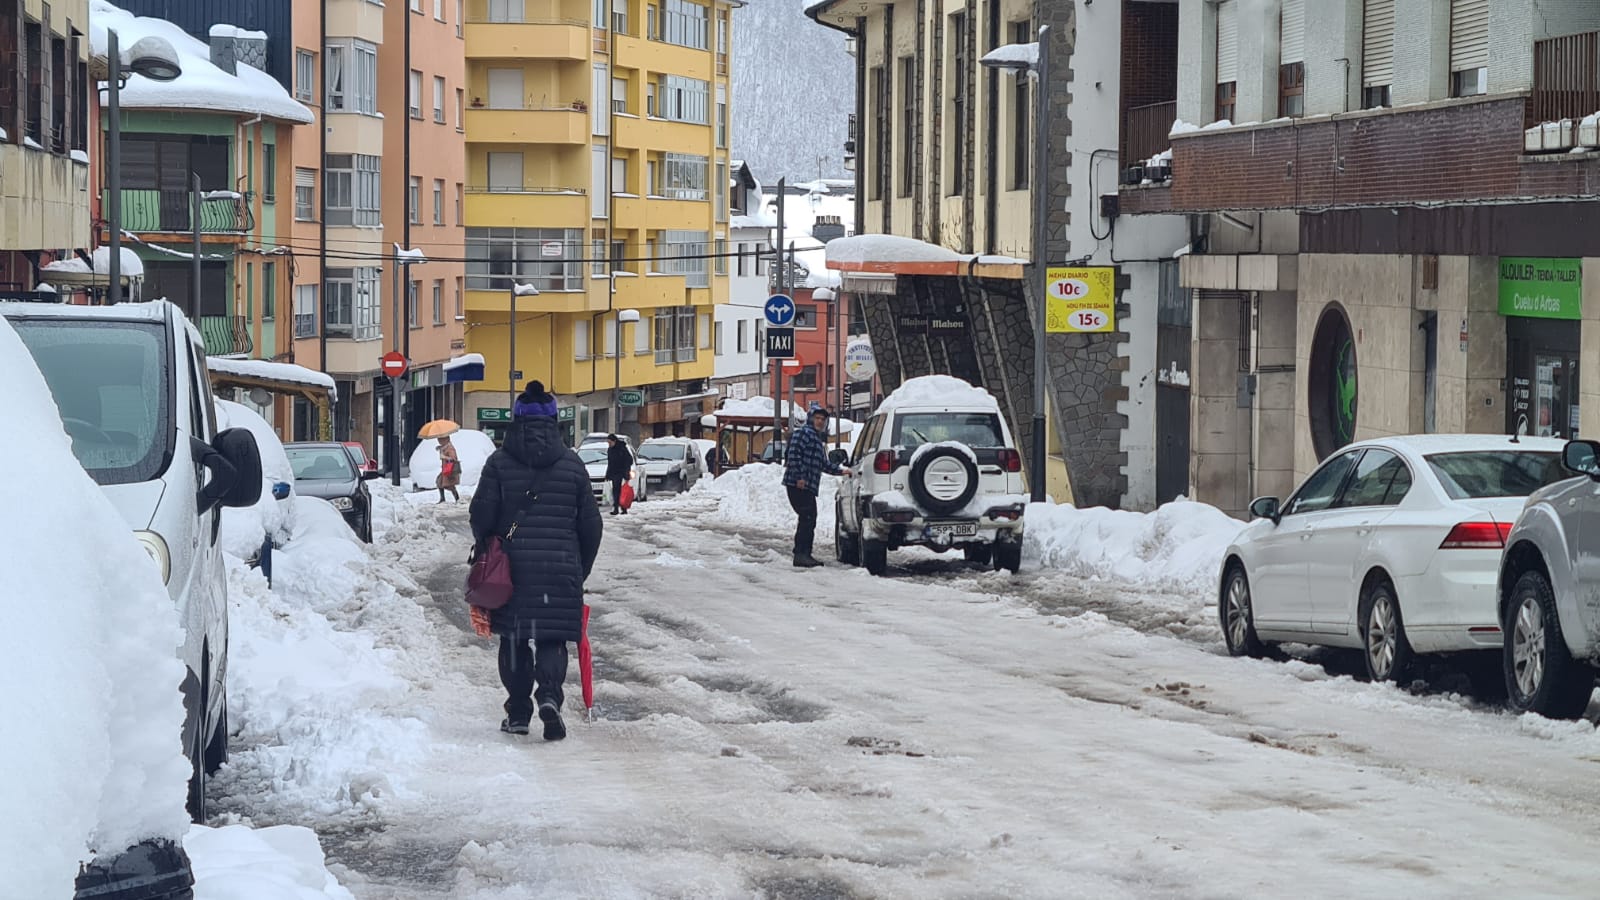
(525, 189)
(524, 20)
(1145, 130)
(225, 335)
(168, 211)
(1566, 78)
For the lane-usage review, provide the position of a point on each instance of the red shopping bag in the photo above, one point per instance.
(586, 662)
(626, 500)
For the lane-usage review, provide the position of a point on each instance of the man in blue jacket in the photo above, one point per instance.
(806, 460)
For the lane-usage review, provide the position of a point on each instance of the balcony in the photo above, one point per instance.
(1144, 134)
(168, 212)
(542, 207)
(1566, 78)
(529, 125)
(531, 39)
(226, 335)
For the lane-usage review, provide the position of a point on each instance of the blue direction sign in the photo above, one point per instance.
(780, 311)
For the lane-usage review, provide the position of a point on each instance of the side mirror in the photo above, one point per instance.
(1266, 508)
(838, 456)
(1582, 457)
(234, 461)
(369, 474)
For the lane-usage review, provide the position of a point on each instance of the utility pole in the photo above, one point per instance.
(194, 213)
(114, 171)
(777, 365)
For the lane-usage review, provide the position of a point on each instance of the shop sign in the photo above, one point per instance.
(567, 414)
(911, 323)
(630, 398)
(1541, 288)
(859, 363)
(1080, 300)
(494, 414)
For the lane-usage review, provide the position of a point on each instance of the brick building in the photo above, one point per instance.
(1392, 216)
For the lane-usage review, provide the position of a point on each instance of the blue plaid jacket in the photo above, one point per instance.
(806, 459)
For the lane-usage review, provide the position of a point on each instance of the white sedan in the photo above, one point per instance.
(1391, 547)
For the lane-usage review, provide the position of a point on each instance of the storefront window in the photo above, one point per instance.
(1332, 398)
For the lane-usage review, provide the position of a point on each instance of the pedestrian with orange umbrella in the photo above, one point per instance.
(449, 461)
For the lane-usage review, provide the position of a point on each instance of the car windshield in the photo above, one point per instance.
(319, 463)
(357, 453)
(973, 429)
(111, 381)
(592, 455)
(1478, 474)
(661, 452)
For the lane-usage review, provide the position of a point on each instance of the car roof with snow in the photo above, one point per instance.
(149, 311)
(938, 393)
(669, 440)
(1427, 444)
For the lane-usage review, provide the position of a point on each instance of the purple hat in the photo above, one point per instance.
(534, 402)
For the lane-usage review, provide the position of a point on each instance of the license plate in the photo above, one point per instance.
(952, 531)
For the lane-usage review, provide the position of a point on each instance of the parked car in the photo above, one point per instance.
(772, 453)
(671, 465)
(1391, 547)
(934, 472)
(359, 453)
(326, 469)
(1547, 594)
(594, 459)
(130, 381)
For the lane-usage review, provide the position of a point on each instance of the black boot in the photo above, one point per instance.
(806, 561)
(554, 728)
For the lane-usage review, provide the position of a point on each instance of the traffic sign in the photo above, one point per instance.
(780, 343)
(630, 398)
(394, 364)
(780, 311)
(792, 365)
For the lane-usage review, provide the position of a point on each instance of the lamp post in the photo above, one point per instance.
(1034, 60)
(624, 317)
(517, 290)
(402, 325)
(153, 58)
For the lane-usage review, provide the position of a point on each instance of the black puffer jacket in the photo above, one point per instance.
(557, 538)
(619, 461)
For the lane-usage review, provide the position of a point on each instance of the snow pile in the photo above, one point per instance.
(244, 528)
(1177, 548)
(472, 447)
(271, 371)
(1013, 55)
(1179, 126)
(465, 359)
(88, 639)
(941, 392)
(754, 496)
(283, 862)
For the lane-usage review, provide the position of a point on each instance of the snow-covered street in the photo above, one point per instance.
(946, 732)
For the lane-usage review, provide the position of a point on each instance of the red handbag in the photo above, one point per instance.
(489, 579)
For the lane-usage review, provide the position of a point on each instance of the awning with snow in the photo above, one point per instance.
(466, 367)
(893, 254)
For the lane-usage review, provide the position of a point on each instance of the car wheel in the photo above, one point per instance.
(977, 553)
(1383, 636)
(846, 546)
(1541, 675)
(875, 556)
(1008, 557)
(1237, 616)
(217, 746)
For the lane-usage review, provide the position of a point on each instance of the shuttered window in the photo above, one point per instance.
(1377, 44)
(1469, 34)
(1227, 41)
(1292, 28)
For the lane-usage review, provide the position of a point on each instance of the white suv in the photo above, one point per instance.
(936, 467)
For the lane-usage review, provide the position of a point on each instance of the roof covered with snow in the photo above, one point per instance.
(273, 371)
(1013, 55)
(465, 359)
(202, 86)
(893, 252)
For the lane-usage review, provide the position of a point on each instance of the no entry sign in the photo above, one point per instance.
(394, 364)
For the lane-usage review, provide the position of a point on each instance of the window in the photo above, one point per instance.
(460, 303)
(414, 200)
(352, 77)
(601, 14)
(1227, 58)
(438, 10)
(1292, 89)
(619, 95)
(685, 24)
(879, 176)
(269, 291)
(722, 43)
(1472, 475)
(619, 174)
(805, 316)
(600, 82)
(1469, 48)
(461, 203)
(461, 18)
(719, 261)
(305, 195)
(352, 303)
(721, 180)
(353, 190)
(414, 95)
(501, 11)
(703, 331)
(599, 153)
(597, 255)
(305, 310)
(619, 16)
(683, 176)
(641, 334)
(461, 109)
(684, 253)
(438, 201)
(438, 99)
(1380, 479)
(416, 6)
(743, 261)
(550, 259)
(717, 346)
(582, 345)
(683, 100)
(1322, 487)
(650, 98)
(413, 300)
(505, 89)
(908, 123)
(722, 115)
(505, 172)
(608, 347)
(958, 104)
(676, 336)
(438, 302)
(305, 75)
(1377, 52)
(742, 336)
(269, 173)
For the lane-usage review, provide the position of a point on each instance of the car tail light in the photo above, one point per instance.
(1477, 536)
(883, 463)
(1011, 512)
(1011, 460)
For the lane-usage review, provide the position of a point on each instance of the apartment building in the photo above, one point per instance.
(1393, 207)
(598, 174)
(941, 264)
(45, 134)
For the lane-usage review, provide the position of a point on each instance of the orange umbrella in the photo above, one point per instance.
(438, 428)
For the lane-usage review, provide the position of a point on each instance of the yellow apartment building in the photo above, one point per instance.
(597, 172)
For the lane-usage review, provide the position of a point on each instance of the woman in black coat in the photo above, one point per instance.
(534, 493)
(619, 468)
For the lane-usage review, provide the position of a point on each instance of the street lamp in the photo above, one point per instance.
(517, 290)
(624, 317)
(1034, 60)
(153, 58)
(402, 324)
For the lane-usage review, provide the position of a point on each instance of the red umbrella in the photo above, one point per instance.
(586, 662)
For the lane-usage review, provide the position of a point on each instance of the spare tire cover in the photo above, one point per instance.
(944, 480)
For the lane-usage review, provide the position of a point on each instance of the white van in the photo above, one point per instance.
(131, 384)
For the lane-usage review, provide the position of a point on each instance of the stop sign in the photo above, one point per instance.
(394, 364)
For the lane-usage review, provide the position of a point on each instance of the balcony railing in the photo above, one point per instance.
(167, 211)
(226, 335)
(525, 189)
(1566, 78)
(1144, 132)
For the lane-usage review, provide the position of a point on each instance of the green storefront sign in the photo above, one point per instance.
(567, 414)
(1541, 288)
(494, 414)
(630, 398)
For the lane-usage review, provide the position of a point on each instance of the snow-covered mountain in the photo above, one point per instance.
(794, 88)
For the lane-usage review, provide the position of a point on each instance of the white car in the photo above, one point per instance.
(935, 466)
(671, 465)
(595, 457)
(131, 384)
(1391, 547)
